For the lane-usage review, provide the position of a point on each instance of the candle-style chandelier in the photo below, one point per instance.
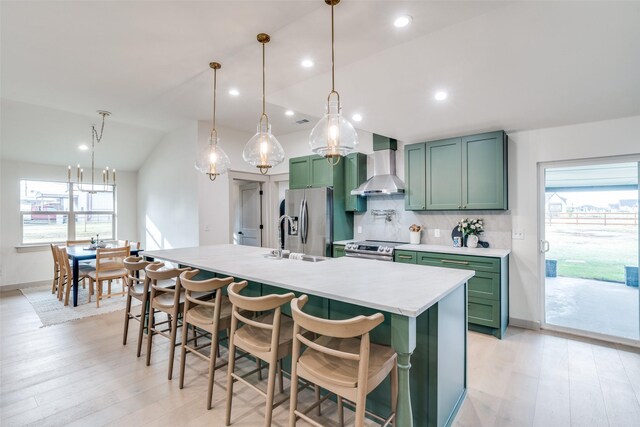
(108, 176)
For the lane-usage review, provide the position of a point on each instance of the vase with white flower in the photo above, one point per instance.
(470, 229)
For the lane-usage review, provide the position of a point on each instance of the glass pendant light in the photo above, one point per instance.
(263, 150)
(212, 160)
(333, 136)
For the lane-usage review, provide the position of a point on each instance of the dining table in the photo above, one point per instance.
(82, 253)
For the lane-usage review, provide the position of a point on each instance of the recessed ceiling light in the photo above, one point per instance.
(356, 117)
(440, 96)
(234, 92)
(402, 21)
(289, 113)
(83, 147)
(307, 63)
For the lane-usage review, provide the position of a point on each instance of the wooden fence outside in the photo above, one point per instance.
(592, 218)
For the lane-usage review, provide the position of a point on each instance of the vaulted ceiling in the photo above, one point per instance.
(512, 65)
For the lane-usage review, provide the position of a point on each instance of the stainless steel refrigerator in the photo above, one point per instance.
(312, 209)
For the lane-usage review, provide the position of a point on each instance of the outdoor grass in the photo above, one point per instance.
(593, 252)
(44, 233)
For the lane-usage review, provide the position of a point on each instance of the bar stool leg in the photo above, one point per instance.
(271, 386)
(127, 316)
(280, 385)
(212, 366)
(231, 367)
(172, 343)
(150, 331)
(340, 411)
(183, 352)
(143, 321)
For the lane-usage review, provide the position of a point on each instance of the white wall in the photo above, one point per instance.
(168, 192)
(36, 266)
(526, 150)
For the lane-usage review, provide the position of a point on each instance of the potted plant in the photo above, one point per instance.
(470, 229)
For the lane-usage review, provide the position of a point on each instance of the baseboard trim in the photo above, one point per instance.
(525, 324)
(16, 286)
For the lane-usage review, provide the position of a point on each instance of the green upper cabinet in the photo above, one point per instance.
(468, 172)
(415, 177)
(355, 173)
(313, 171)
(444, 177)
(484, 175)
(299, 172)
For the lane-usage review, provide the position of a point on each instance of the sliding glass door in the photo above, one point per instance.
(590, 249)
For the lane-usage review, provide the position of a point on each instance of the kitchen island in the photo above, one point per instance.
(424, 308)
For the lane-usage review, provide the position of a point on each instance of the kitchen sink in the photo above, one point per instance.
(307, 258)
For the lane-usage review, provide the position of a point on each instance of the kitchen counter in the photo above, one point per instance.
(425, 316)
(343, 242)
(488, 252)
(408, 290)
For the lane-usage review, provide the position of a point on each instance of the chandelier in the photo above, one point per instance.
(108, 176)
(333, 136)
(263, 150)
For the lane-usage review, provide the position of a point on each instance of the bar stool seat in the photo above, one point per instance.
(138, 289)
(203, 316)
(345, 372)
(167, 300)
(251, 338)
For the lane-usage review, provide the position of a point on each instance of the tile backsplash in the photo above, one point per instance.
(497, 224)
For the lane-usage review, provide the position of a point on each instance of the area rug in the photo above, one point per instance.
(53, 312)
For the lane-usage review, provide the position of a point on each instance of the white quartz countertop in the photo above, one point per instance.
(343, 242)
(404, 289)
(488, 252)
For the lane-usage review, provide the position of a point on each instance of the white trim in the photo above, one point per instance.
(591, 335)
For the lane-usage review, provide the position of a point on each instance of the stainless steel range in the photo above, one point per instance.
(372, 249)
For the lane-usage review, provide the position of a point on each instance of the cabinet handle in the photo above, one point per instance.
(449, 261)
(459, 207)
(464, 206)
(405, 256)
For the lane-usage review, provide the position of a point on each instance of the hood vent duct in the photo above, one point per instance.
(384, 181)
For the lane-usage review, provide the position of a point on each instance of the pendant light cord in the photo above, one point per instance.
(333, 54)
(214, 139)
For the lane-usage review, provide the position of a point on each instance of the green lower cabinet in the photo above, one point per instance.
(488, 289)
(407, 257)
(338, 251)
(484, 312)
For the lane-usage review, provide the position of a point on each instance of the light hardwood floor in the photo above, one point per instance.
(79, 374)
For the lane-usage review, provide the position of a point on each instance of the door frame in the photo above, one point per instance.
(541, 254)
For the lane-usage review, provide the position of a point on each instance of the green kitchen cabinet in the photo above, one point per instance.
(484, 171)
(468, 172)
(338, 251)
(488, 289)
(299, 175)
(415, 177)
(355, 173)
(314, 171)
(444, 174)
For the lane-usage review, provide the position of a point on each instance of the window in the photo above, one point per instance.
(49, 216)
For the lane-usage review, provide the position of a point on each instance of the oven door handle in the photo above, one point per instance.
(369, 256)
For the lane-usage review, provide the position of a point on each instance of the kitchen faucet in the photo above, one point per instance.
(293, 223)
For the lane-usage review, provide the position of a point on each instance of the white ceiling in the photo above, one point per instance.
(511, 65)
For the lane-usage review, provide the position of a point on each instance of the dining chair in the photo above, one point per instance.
(56, 269)
(341, 360)
(109, 267)
(65, 279)
(267, 336)
(212, 316)
(169, 300)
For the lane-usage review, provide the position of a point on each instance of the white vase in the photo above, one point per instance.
(472, 241)
(414, 237)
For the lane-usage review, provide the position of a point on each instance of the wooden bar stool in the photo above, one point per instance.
(169, 300)
(267, 337)
(138, 288)
(342, 360)
(211, 316)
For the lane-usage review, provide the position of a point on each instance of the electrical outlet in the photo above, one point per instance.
(436, 232)
(517, 235)
(206, 227)
(359, 229)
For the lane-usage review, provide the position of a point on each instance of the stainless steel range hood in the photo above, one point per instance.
(384, 181)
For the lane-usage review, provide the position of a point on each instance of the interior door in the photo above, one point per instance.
(250, 232)
(589, 248)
